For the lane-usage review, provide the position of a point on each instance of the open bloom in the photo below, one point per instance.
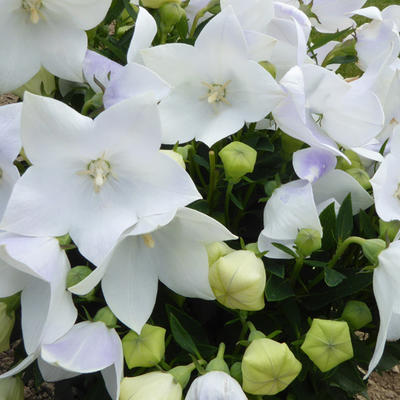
(48, 33)
(93, 179)
(169, 247)
(215, 86)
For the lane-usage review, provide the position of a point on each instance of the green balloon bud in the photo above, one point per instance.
(214, 7)
(354, 160)
(388, 230)
(146, 349)
(307, 241)
(269, 67)
(12, 388)
(105, 315)
(7, 321)
(184, 151)
(268, 367)
(372, 248)
(236, 371)
(77, 274)
(238, 159)
(12, 302)
(158, 3)
(328, 343)
(254, 333)
(356, 314)
(217, 250)
(360, 176)
(64, 240)
(42, 84)
(182, 374)
(218, 363)
(254, 248)
(170, 14)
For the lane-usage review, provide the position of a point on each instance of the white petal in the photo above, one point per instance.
(259, 45)
(10, 126)
(51, 373)
(145, 31)
(10, 175)
(264, 243)
(87, 347)
(26, 362)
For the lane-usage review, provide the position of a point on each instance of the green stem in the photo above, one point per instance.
(227, 201)
(211, 184)
(196, 20)
(221, 351)
(296, 270)
(246, 199)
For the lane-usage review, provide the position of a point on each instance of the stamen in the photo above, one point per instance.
(148, 240)
(32, 7)
(99, 170)
(216, 93)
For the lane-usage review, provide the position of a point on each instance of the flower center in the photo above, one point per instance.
(148, 240)
(216, 92)
(99, 170)
(32, 7)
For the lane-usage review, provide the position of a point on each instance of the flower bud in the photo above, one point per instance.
(215, 385)
(360, 176)
(269, 67)
(254, 333)
(372, 248)
(268, 367)
(12, 388)
(77, 274)
(238, 281)
(328, 343)
(389, 229)
(157, 3)
(356, 314)
(42, 84)
(236, 371)
(307, 241)
(218, 363)
(254, 248)
(12, 302)
(106, 316)
(238, 159)
(170, 14)
(153, 385)
(175, 156)
(184, 151)
(182, 374)
(216, 250)
(354, 159)
(7, 321)
(146, 349)
(64, 240)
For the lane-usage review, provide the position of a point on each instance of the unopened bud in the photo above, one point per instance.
(106, 316)
(12, 388)
(184, 151)
(354, 158)
(216, 250)
(175, 156)
(328, 343)
(42, 84)
(182, 374)
(254, 248)
(388, 230)
(236, 371)
(153, 385)
(218, 363)
(307, 241)
(372, 248)
(170, 14)
(146, 349)
(238, 159)
(238, 281)
(77, 274)
(356, 314)
(269, 67)
(158, 3)
(7, 321)
(268, 367)
(360, 176)
(254, 333)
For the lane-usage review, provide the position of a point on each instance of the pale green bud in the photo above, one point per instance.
(12, 388)
(153, 385)
(238, 281)
(7, 321)
(182, 374)
(328, 343)
(105, 315)
(238, 159)
(269, 67)
(254, 333)
(12, 302)
(214, 6)
(170, 14)
(360, 176)
(42, 84)
(254, 248)
(218, 363)
(146, 349)
(307, 241)
(236, 371)
(175, 156)
(184, 151)
(372, 248)
(158, 3)
(268, 367)
(216, 250)
(389, 229)
(356, 314)
(64, 240)
(354, 159)
(77, 274)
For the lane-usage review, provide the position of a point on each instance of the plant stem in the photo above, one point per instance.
(227, 201)
(296, 270)
(211, 183)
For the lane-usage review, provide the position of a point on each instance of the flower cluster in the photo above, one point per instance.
(149, 134)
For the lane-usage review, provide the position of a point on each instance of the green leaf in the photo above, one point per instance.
(201, 161)
(348, 378)
(366, 225)
(182, 337)
(333, 278)
(236, 201)
(278, 289)
(265, 144)
(324, 38)
(344, 223)
(285, 249)
(347, 59)
(276, 269)
(328, 223)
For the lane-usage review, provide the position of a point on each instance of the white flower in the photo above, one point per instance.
(93, 179)
(10, 125)
(386, 283)
(290, 209)
(215, 385)
(87, 347)
(168, 247)
(48, 33)
(215, 87)
(38, 268)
